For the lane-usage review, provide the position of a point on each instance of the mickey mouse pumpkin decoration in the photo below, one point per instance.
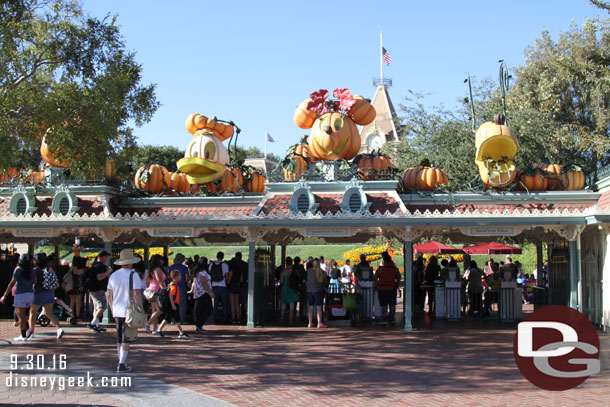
(206, 157)
(334, 134)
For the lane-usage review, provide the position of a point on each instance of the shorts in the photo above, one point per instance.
(172, 314)
(387, 297)
(99, 299)
(121, 331)
(23, 300)
(44, 298)
(234, 289)
(315, 299)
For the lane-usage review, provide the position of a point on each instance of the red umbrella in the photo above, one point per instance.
(433, 247)
(492, 248)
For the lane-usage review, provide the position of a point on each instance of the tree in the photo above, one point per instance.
(241, 153)
(69, 78)
(167, 156)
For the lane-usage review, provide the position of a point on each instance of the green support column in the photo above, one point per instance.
(575, 300)
(283, 254)
(146, 255)
(56, 252)
(251, 285)
(408, 285)
(273, 260)
(30, 249)
(108, 247)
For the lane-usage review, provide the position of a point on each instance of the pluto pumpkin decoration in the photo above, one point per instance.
(497, 147)
(206, 157)
(334, 134)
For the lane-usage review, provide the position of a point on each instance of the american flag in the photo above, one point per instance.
(386, 57)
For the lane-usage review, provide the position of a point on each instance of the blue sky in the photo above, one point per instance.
(254, 61)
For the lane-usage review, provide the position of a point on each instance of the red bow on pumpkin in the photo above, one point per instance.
(319, 105)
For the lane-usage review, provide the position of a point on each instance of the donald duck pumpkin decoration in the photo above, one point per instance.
(206, 157)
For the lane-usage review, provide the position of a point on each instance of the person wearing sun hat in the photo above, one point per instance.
(118, 300)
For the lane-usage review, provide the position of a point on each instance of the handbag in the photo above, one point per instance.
(150, 294)
(135, 317)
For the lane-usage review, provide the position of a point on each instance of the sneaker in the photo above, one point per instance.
(101, 328)
(322, 326)
(29, 333)
(60, 333)
(94, 328)
(161, 334)
(20, 339)
(310, 326)
(123, 368)
(183, 336)
(201, 330)
(381, 321)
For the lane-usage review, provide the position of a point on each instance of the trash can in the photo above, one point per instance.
(453, 300)
(439, 294)
(368, 299)
(507, 300)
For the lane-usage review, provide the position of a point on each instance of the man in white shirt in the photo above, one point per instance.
(346, 272)
(219, 274)
(324, 266)
(119, 297)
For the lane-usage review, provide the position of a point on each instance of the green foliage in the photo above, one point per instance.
(68, 77)
(167, 156)
(240, 153)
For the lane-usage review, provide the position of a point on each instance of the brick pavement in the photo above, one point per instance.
(441, 363)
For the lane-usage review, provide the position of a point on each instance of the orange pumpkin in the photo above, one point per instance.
(179, 183)
(303, 149)
(333, 137)
(256, 183)
(574, 178)
(424, 178)
(532, 180)
(373, 166)
(196, 122)
(303, 117)
(49, 157)
(9, 174)
(232, 180)
(554, 176)
(293, 173)
(196, 188)
(35, 177)
(362, 112)
(153, 178)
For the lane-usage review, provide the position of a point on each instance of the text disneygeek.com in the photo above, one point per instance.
(60, 383)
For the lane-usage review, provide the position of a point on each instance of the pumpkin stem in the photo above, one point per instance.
(425, 162)
(499, 119)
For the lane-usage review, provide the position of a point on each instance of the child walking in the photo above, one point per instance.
(171, 309)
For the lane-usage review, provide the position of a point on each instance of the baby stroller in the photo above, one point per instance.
(61, 310)
(334, 301)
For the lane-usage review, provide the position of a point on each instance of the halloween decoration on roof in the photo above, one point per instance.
(334, 134)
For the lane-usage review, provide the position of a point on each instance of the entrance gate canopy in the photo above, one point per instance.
(492, 248)
(433, 247)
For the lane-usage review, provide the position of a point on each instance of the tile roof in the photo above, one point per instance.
(279, 205)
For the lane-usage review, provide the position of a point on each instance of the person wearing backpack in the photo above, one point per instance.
(387, 279)
(73, 284)
(96, 280)
(289, 295)
(220, 274)
(183, 283)
(44, 294)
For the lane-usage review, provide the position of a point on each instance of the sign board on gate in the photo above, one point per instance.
(173, 232)
(37, 232)
(327, 232)
(490, 231)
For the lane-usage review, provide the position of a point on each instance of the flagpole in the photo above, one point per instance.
(381, 56)
(266, 137)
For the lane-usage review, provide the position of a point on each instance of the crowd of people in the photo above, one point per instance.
(220, 288)
(480, 287)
